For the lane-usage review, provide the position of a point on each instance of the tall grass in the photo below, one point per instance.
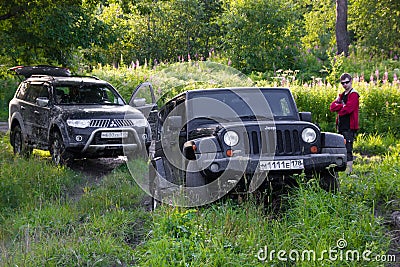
(101, 227)
(107, 223)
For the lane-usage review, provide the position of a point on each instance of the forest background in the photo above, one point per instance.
(255, 36)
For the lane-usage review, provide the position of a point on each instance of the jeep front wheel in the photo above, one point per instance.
(19, 143)
(59, 155)
(329, 181)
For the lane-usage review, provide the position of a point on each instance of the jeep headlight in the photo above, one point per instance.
(231, 138)
(309, 135)
(78, 123)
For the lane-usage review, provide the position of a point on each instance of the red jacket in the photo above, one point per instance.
(351, 107)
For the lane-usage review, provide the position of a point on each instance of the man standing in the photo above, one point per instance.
(347, 107)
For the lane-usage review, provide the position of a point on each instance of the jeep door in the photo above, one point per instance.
(144, 100)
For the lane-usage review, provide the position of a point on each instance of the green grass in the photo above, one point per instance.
(57, 218)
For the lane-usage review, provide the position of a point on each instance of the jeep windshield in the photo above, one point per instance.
(88, 94)
(243, 104)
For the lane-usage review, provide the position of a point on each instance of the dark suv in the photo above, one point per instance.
(73, 117)
(216, 141)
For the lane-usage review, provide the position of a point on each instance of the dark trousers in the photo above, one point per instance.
(349, 136)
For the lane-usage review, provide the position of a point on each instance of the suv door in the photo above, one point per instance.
(37, 112)
(144, 100)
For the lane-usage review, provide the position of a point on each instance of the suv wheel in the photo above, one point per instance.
(57, 150)
(18, 142)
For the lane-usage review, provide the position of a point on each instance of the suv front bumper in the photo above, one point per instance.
(94, 144)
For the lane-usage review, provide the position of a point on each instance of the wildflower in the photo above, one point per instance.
(377, 74)
(189, 59)
(385, 77)
(229, 62)
(371, 78)
(137, 63)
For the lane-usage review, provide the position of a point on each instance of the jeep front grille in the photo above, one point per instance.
(287, 142)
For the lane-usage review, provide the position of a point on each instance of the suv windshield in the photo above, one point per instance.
(244, 103)
(86, 94)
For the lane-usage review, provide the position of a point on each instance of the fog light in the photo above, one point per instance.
(78, 138)
(214, 167)
(314, 149)
(229, 152)
(339, 161)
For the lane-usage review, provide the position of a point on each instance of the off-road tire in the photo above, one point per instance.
(19, 144)
(59, 155)
(329, 181)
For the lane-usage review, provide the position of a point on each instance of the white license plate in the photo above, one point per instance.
(271, 165)
(114, 134)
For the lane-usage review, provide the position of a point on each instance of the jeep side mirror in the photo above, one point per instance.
(305, 116)
(42, 101)
(174, 122)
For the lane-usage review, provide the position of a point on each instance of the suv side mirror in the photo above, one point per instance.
(42, 101)
(139, 102)
(305, 116)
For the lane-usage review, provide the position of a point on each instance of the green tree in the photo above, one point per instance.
(259, 34)
(47, 31)
(375, 24)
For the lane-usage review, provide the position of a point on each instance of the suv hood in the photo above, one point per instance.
(103, 111)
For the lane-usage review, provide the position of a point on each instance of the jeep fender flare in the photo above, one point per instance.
(332, 140)
(208, 144)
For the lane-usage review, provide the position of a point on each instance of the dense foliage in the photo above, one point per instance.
(252, 36)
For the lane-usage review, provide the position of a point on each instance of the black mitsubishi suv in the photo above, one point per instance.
(211, 142)
(73, 117)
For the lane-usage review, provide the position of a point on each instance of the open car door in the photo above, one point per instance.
(144, 100)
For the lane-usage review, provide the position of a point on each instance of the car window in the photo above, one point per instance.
(245, 103)
(36, 90)
(21, 94)
(86, 94)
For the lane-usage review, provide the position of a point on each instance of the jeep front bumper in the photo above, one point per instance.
(251, 165)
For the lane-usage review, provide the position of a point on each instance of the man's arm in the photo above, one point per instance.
(336, 105)
(351, 105)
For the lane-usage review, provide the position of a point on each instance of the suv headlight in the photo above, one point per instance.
(309, 135)
(231, 138)
(78, 123)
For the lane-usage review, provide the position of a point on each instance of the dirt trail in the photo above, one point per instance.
(3, 126)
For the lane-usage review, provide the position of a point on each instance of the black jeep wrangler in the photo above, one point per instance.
(213, 142)
(74, 117)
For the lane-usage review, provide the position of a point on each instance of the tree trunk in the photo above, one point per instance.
(342, 36)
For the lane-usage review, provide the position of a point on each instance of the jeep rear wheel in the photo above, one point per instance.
(57, 150)
(19, 143)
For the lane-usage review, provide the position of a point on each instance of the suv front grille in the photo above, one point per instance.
(287, 142)
(105, 123)
(100, 123)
